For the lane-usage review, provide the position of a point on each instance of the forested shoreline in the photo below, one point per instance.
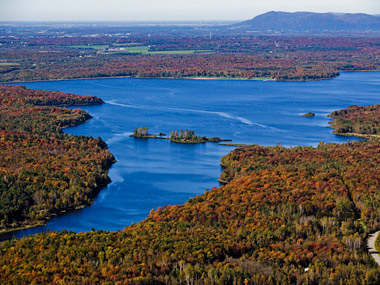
(285, 215)
(35, 57)
(44, 172)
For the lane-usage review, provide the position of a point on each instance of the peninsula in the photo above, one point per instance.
(43, 171)
(297, 215)
(285, 215)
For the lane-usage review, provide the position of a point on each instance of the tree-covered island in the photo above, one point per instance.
(309, 114)
(296, 215)
(183, 136)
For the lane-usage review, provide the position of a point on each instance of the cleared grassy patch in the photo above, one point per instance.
(180, 51)
(145, 51)
(137, 49)
(90, 46)
(8, 64)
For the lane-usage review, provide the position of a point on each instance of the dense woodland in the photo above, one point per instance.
(183, 136)
(38, 57)
(285, 215)
(357, 120)
(43, 171)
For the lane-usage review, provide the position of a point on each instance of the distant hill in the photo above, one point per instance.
(311, 22)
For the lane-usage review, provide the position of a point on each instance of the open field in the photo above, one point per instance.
(144, 50)
(172, 56)
(90, 46)
(8, 64)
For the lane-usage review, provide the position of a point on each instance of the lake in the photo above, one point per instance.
(152, 173)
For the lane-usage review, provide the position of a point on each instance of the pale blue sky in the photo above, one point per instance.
(158, 10)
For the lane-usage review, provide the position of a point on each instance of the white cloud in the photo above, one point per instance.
(40, 10)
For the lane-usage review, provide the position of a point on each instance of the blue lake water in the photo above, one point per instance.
(152, 173)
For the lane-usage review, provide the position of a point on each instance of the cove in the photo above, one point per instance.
(152, 173)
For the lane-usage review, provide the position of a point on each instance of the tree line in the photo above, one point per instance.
(285, 215)
(42, 170)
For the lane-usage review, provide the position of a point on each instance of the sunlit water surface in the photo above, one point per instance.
(152, 173)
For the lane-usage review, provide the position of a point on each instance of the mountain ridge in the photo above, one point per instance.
(311, 22)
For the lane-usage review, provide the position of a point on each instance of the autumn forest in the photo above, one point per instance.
(164, 55)
(299, 215)
(43, 171)
(284, 215)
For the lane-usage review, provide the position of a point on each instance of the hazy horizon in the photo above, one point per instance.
(167, 10)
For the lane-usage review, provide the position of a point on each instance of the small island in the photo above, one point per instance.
(182, 136)
(309, 114)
